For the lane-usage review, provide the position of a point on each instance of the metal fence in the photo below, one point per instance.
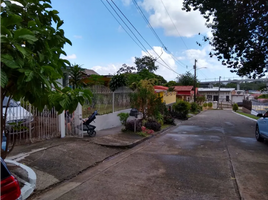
(105, 101)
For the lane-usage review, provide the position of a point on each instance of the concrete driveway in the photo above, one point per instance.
(213, 155)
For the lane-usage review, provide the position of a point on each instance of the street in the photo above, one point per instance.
(213, 155)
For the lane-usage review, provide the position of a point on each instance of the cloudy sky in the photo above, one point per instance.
(100, 43)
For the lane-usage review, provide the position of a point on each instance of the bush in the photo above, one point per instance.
(235, 107)
(152, 124)
(194, 107)
(159, 118)
(178, 115)
(168, 119)
(205, 105)
(182, 107)
(123, 118)
(210, 104)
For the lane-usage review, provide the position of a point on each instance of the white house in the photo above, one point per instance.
(212, 94)
(238, 96)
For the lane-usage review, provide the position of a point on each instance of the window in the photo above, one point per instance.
(209, 97)
(215, 98)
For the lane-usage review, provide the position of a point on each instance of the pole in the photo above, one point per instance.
(219, 92)
(195, 80)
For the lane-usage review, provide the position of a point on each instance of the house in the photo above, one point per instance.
(169, 98)
(212, 94)
(185, 93)
(238, 96)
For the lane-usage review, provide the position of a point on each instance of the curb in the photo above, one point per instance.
(245, 116)
(28, 187)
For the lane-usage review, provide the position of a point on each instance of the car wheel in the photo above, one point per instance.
(257, 134)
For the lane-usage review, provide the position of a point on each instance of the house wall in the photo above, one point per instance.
(169, 98)
(237, 98)
(212, 95)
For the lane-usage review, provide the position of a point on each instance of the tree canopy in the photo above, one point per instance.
(146, 62)
(240, 33)
(186, 79)
(32, 43)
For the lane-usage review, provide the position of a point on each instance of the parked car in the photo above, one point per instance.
(261, 131)
(16, 114)
(10, 188)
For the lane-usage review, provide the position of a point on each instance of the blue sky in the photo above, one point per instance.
(101, 44)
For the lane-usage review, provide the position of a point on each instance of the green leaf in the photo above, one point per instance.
(12, 19)
(4, 79)
(29, 38)
(21, 49)
(25, 34)
(9, 61)
(59, 23)
(29, 74)
(41, 57)
(4, 31)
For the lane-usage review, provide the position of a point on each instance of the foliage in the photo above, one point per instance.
(153, 124)
(76, 76)
(126, 69)
(160, 80)
(123, 118)
(117, 81)
(181, 109)
(146, 62)
(200, 99)
(168, 119)
(240, 36)
(159, 118)
(256, 85)
(187, 79)
(194, 107)
(210, 104)
(205, 105)
(171, 83)
(31, 63)
(263, 96)
(95, 79)
(235, 107)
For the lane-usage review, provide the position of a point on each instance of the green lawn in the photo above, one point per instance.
(248, 115)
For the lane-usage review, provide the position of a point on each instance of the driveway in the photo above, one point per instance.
(213, 155)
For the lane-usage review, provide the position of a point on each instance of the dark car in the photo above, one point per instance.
(10, 188)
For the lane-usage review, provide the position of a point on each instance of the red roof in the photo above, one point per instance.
(159, 87)
(183, 88)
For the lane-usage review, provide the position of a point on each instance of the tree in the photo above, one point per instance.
(31, 46)
(240, 34)
(171, 83)
(126, 69)
(118, 80)
(76, 76)
(186, 79)
(146, 62)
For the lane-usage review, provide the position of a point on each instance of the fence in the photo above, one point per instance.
(105, 101)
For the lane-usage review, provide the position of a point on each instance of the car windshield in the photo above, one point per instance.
(12, 103)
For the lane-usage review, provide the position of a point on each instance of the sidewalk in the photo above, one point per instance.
(59, 159)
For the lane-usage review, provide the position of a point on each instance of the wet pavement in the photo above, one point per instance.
(213, 155)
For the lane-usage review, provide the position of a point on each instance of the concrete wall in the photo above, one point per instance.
(108, 121)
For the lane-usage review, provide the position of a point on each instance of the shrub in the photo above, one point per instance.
(123, 118)
(168, 119)
(152, 124)
(235, 107)
(181, 110)
(159, 118)
(205, 105)
(194, 107)
(210, 104)
(178, 115)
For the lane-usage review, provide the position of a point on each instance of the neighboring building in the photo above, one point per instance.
(89, 72)
(212, 94)
(169, 98)
(238, 96)
(185, 93)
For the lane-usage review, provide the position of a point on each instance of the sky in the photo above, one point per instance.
(100, 43)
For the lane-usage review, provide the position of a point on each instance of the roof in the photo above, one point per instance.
(159, 88)
(90, 72)
(215, 89)
(183, 88)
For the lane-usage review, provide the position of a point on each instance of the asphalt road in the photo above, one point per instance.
(213, 155)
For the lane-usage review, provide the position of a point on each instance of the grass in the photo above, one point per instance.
(248, 115)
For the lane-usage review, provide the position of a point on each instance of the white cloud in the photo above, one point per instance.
(108, 70)
(78, 36)
(188, 23)
(168, 72)
(70, 57)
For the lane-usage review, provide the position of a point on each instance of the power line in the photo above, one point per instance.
(167, 66)
(174, 25)
(156, 35)
(125, 25)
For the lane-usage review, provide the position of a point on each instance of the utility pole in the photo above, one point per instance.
(219, 92)
(195, 61)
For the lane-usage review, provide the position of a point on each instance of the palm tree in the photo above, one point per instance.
(76, 75)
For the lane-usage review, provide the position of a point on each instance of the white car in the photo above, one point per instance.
(16, 114)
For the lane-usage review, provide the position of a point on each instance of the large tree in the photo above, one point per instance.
(146, 62)
(31, 47)
(186, 79)
(240, 33)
